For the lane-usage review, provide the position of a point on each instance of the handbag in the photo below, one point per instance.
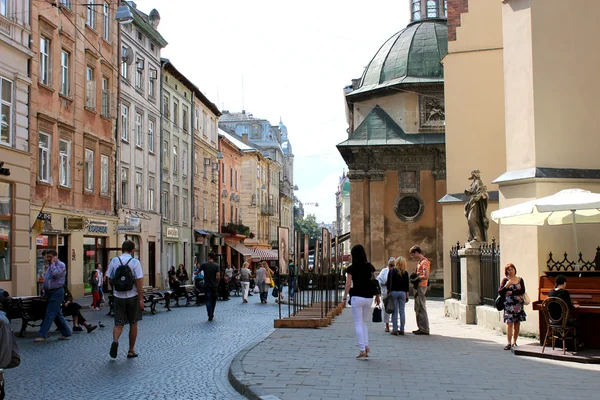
(526, 299)
(275, 292)
(256, 289)
(268, 280)
(499, 303)
(388, 303)
(377, 317)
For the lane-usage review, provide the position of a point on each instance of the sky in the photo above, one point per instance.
(283, 59)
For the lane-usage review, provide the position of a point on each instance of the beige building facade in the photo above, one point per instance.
(138, 140)
(16, 276)
(72, 119)
(539, 52)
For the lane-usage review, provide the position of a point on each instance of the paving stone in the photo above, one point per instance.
(182, 356)
(455, 362)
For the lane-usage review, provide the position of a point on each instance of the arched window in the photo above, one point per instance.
(416, 10)
(432, 9)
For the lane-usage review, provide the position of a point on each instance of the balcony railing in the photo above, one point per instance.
(267, 210)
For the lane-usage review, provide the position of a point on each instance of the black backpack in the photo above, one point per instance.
(123, 280)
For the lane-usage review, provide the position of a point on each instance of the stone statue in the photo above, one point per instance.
(476, 209)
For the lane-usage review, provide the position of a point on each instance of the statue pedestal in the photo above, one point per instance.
(470, 283)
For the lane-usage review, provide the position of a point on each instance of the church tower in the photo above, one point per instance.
(423, 9)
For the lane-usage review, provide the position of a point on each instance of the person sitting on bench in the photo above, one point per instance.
(70, 308)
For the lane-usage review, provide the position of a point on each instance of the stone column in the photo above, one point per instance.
(376, 218)
(357, 214)
(470, 283)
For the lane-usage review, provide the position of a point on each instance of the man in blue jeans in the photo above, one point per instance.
(212, 275)
(54, 280)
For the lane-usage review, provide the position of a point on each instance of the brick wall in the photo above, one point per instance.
(455, 9)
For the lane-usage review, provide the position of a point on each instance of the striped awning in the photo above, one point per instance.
(240, 248)
(265, 255)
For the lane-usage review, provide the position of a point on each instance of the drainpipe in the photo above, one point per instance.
(160, 175)
(191, 195)
(117, 140)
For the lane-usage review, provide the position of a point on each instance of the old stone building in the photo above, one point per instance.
(138, 138)
(395, 150)
(16, 274)
(72, 119)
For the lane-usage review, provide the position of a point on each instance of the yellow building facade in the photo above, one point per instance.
(521, 94)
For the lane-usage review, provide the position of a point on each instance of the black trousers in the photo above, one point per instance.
(211, 300)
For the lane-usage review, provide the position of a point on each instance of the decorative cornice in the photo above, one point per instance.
(547, 173)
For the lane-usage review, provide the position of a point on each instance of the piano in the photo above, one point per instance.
(584, 287)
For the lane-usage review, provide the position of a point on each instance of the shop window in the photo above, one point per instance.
(93, 252)
(5, 230)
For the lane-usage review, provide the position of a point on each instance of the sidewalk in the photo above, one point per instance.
(455, 362)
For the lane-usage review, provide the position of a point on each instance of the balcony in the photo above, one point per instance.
(267, 210)
(235, 229)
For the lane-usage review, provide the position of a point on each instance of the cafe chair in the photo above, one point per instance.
(556, 313)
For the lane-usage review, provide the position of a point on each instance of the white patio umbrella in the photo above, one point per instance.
(570, 206)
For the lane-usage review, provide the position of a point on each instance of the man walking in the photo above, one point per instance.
(212, 275)
(423, 268)
(125, 277)
(54, 280)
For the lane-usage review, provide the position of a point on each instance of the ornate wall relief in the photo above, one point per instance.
(432, 111)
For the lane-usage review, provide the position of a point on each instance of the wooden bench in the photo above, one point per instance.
(29, 308)
(153, 296)
(187, 292)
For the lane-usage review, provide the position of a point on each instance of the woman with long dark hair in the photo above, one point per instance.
(360, 275)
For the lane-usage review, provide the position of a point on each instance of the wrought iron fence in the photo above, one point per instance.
(489, 276)
(455, 271)
(566, 265)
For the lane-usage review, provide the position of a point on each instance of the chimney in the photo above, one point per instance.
(244, 112)
(245, 138)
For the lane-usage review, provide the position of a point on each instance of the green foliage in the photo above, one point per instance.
(239, 229)
(308, 226)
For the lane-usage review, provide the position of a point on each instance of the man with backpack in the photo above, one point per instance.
(125, 277)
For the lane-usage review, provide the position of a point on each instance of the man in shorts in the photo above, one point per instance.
(128, 305)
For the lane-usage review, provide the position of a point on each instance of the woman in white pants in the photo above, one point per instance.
(359, 275)
(245, 274)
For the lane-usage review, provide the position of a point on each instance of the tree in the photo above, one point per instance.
(308, 226)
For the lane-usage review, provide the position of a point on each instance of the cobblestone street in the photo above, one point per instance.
(182, 356)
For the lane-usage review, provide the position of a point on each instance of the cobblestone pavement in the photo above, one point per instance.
(455, 362)
(182, 356)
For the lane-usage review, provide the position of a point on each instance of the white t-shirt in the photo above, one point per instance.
(100, 277)
(136, 268)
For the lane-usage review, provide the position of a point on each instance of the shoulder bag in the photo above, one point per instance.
(377, 317)
(499, 302)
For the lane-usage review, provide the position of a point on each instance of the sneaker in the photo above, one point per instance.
(39, 339)
(97, 309)
(90, 328)
(77, 329)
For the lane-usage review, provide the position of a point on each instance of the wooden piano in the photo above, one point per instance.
(584, 287)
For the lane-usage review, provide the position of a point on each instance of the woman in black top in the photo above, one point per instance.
(397, 286)
(360, 275)
(182, 275)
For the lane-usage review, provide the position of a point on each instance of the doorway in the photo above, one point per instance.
(152, 263)
(63, 253)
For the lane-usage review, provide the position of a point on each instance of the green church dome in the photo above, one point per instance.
(412, 55)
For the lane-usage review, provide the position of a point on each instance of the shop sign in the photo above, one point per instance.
(134, 221)
(44, 216)
(97, 226)
(74, 223)
(172, 232)
(128, 228)
(41, 240)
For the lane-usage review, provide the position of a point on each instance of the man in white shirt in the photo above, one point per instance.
(382, 279)
(129, 296)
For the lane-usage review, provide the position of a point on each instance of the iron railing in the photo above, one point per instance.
(566, 265)
(489, 276)
(455, 271)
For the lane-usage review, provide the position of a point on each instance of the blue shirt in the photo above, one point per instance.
(54, 277)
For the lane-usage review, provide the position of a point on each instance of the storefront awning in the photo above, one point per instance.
(240, 248)
(201, 232)
(266, 255)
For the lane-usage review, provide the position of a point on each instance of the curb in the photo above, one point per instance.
(236, 376)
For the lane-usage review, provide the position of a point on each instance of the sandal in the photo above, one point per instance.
(132, 354)
(387, 329)
(507, 347)
(367, 350)
(362, 354)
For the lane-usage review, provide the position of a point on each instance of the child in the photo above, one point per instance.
(94, 283)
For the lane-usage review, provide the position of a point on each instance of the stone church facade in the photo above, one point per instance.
(395, 150)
